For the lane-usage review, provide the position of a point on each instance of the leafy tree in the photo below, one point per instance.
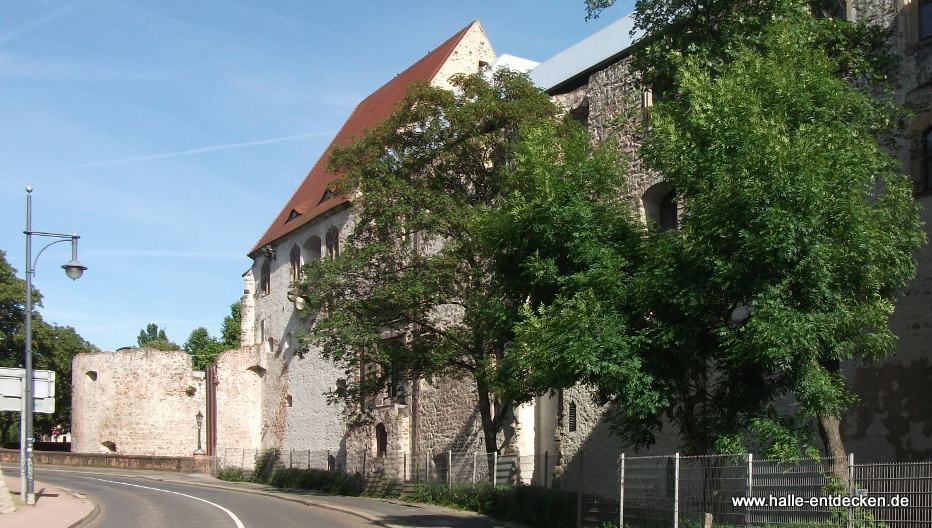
(154, 337)
(53, 346)
(796, 232)
(412, 266)
(230, 328)
(203, 348)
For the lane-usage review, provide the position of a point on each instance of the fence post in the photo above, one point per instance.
(365, 456)
(621, 491)
(850, 485)
(750, 492)
(405, 468)
(494, 468)
(546, 467)
(450, 469)
(579, 491)
(475, 455)
(291, 458)
(676, 491)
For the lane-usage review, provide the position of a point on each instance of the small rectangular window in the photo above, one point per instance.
(572, 418)
(926, 162)
(925, 19)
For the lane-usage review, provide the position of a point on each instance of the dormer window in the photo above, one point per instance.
(327, 195)
(291, 216)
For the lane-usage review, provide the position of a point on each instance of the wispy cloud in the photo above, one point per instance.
(29, 26)
(167, 254)
(203, 150)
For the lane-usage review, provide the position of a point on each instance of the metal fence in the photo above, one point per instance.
(675, 491)
(662, 491)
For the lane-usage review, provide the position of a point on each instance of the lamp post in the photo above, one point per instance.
(200, 421)
(74, 270)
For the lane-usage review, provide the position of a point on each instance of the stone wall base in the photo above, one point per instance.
(192, 464)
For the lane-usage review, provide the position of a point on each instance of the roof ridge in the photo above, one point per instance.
(371, 110)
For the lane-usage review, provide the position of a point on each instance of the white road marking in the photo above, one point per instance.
(239, 524)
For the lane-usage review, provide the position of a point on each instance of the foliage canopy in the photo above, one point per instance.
(53, 349)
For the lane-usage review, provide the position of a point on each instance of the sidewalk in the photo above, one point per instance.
(54, 508)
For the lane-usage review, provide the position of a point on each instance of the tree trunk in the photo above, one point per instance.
(830, 431)
(490, 425)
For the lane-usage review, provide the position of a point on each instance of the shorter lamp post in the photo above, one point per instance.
(199, 417)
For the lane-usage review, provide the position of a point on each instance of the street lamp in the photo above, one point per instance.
(74, 270)
(200, 421)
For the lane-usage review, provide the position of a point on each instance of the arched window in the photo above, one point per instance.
(312, 248)
(381, 440)
(572, 417)
(265, 280)
(660, 206)
(333, 243)
(295, 260)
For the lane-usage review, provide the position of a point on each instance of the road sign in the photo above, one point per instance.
(12, 389)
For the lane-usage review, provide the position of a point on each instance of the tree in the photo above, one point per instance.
(154, 337)
(412, 267)
(202, 348)
(795, 234)
(230, 328)
(54, 347)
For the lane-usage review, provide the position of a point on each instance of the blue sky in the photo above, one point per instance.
(169, 134)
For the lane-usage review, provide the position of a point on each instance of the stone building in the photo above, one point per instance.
(892, 421)
(423, 417)
(265, 396)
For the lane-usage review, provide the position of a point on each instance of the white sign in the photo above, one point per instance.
(12, 390)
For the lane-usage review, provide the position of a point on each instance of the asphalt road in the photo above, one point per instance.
(127, 501)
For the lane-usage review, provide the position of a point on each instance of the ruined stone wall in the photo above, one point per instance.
(136, 402)
(239, 399)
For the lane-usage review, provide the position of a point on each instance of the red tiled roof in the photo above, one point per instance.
(306, 200)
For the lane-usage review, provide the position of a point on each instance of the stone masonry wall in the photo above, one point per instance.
(136, 402)
(239, 400)
(294, 410)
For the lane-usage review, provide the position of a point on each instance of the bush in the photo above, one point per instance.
(266, 464)
(332, 482)
(538, 507)
(231, 474)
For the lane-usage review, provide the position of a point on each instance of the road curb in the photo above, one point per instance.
(312, 503)
(91, 515)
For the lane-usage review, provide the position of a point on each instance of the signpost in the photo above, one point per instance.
(13, 398)
(12, 389)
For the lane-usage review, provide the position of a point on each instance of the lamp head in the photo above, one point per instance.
(199, 417)
(74, 269)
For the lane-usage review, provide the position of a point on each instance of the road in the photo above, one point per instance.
(128, 501)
